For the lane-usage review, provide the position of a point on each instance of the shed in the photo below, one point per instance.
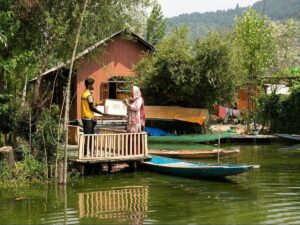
(108, 62)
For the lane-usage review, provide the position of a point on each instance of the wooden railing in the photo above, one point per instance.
(112, 144)
(127, 205)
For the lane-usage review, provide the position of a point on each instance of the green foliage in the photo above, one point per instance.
(254, 52)
(164, 75)
(30, 169)
(213, 80)
(48, 136)
(3, 39)
(39, 34)
(5, 171)
(179, 74)
(7, 113)
(281, 112)
(253, 36)
(156, 25)
(287, 49)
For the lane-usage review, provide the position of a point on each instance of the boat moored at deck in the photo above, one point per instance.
(193, 169)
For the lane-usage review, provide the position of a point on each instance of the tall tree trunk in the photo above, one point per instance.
(46, 156)
(24, 93)
(249, 87)
(248, 110)
(67, 106)
(36, 97)
(2, 81)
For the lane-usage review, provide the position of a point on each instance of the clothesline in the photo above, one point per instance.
(225, 112)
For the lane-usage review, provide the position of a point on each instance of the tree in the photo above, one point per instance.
(156, 25)
(254, 52)
(163, 76)
(213, 82)
(286, 38)
(179, 74)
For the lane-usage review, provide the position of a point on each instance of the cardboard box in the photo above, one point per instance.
(100, 108)
(115, 107)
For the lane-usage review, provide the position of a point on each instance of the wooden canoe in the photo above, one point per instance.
(179, 167)
(193, 154)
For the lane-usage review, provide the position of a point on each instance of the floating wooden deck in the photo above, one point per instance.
(112, 146)
(294, 137)
(194, 154)
(252, 138)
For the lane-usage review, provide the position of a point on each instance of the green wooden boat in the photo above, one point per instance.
(192, 138)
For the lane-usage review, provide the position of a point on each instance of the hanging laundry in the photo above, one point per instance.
(222, 112)
(236, 112)
(230, 112)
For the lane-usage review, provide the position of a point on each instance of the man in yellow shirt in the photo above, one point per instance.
(88, 108)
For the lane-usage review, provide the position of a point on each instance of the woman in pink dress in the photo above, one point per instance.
(136, 114)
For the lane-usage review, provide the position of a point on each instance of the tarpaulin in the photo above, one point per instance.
(193, 115)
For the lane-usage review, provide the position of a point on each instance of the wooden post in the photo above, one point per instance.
(146, 144)
(110, 167)
(81, 147)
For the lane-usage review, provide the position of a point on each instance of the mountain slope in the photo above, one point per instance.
(202, 23)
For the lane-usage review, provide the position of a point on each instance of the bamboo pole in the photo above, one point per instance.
(67, 106)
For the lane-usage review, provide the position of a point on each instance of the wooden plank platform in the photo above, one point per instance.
(294, 137)
(109, 160)
(193, 154)
(249, 138)
(253, 137)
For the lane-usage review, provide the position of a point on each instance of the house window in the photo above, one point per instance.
(115, 88)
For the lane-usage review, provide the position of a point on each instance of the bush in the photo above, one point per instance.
(281, 112)
(29, 169)
(48, 135)
(5, 171)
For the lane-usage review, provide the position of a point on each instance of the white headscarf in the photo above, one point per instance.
(136, 93)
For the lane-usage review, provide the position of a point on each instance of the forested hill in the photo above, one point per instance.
(202, 23)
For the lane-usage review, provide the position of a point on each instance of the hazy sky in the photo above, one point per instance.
(175, 7)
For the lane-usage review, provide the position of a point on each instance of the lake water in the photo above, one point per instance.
(269, 195)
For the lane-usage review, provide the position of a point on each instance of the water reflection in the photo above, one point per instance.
(57, 210)
(270, 195)
(121, 205)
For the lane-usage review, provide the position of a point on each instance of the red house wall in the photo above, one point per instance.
(116, 58)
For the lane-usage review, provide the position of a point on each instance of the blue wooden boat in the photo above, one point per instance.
(193, 169)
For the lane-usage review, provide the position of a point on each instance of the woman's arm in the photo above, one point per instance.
(136, 106)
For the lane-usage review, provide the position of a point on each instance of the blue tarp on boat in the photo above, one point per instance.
(153, 131)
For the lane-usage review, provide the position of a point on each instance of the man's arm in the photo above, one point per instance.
(91, 105)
